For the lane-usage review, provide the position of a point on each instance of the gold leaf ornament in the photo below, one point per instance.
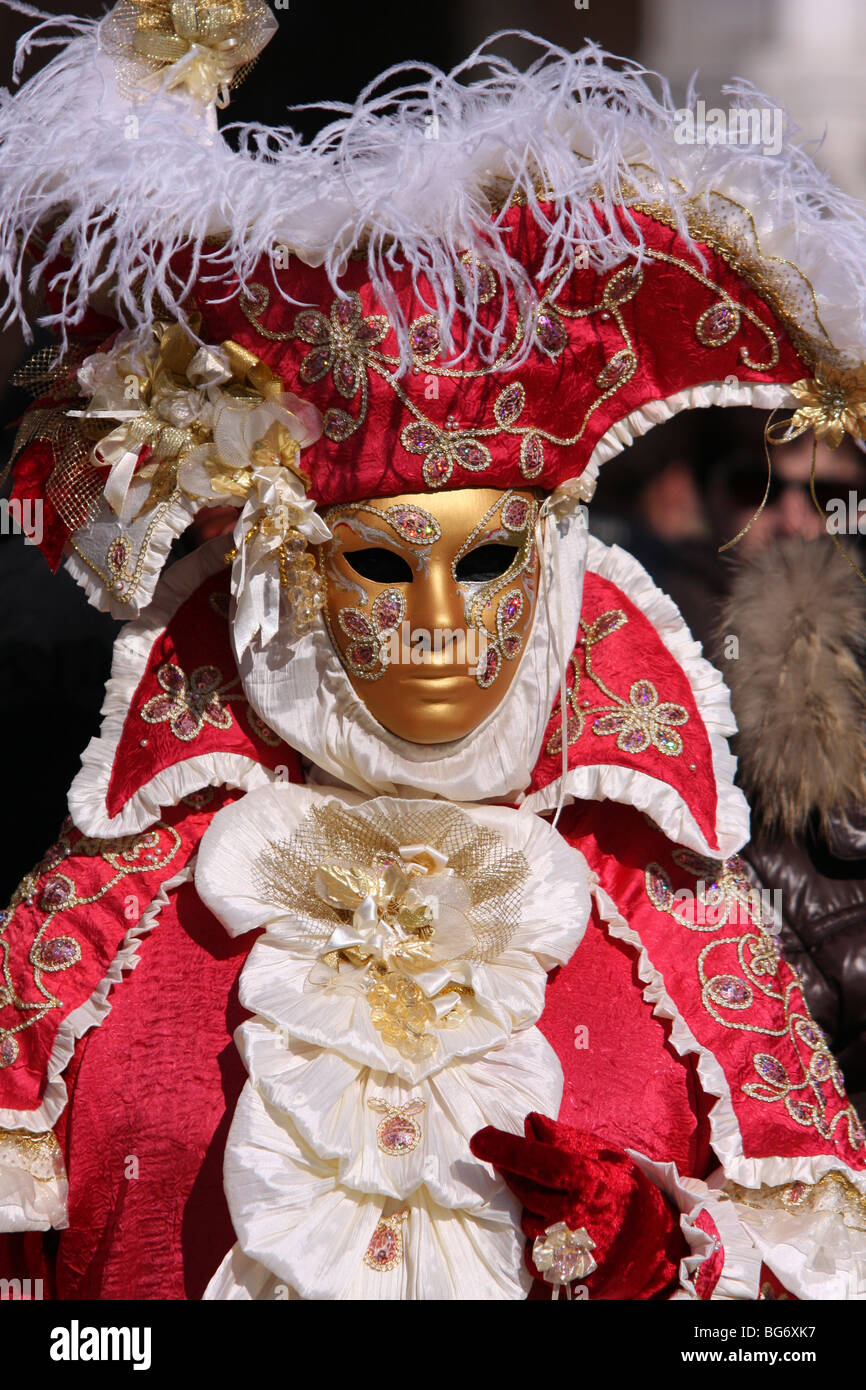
(832, 404)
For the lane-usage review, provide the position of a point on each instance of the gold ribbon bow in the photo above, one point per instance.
(206, 43)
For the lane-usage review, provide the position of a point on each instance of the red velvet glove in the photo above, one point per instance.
(562, 1174)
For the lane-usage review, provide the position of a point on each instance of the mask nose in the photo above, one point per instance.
(434, 603)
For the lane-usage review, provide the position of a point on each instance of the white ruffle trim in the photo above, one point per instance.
(725, 1135)
(309, 1178)
(90, 1014)
(813, 1254)
(132, 650)
(28, 1203)
(661, 802)
(761, 395)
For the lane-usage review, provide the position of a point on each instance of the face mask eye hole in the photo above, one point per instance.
(379, 565)
(485, 563)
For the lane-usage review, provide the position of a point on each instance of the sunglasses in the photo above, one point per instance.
(746, 487)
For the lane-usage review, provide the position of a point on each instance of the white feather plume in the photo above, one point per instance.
(131, 181)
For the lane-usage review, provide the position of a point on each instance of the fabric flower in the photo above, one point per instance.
(831, 404)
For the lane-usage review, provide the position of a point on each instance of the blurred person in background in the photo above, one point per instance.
(783, 615)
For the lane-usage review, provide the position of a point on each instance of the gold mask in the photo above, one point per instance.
(429, 599)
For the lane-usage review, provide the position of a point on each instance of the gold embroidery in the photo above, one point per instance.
(345, 344)
(38, 1154)
(128, 855)
(834, 1192)
(192, 701)
(725, 896)
(640, 722)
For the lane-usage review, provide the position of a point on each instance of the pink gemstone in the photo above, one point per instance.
(731, 990)
(346, 377)
(633, 741)
(437, 468)
(511, 645)
(337, 425)
(159, 708)
(414, 525)
(531, 456)
(117, 552)
(370, 331)
(171, 678)
(425, 339)
(398, 1134)
(472, 455)
(551, 333)
(384, 1246)
(605, 624)
(310, 325)
(643, 693)
(187, 724)
(615, 371)
(60, 951)
(205, 678)
(820, 1066)
(345, 312)
(419, 438)
(8, 1051)
(54, 893)
(389, 609)
(771, 1069)
(355, 623)
(509, 609)
(315, 365)
(514, 514)
(510, 403)
(491, 667)
(660, 888)
(719, 323)
(362, 654)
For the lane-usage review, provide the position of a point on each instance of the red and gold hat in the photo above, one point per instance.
(489, 280)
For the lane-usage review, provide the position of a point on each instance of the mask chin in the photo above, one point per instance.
(429, 601)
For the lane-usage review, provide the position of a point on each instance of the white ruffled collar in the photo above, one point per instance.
(301, 691)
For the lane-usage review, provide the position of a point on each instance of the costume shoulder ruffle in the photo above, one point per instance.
(175, 718)
(648, 718)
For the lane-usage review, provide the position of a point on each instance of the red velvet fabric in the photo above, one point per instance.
(153, 1095)
(32, 469)
(624, 1083)
(710, 1271)
(564, 1174)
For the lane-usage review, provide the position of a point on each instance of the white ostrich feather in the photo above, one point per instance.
(133, 180)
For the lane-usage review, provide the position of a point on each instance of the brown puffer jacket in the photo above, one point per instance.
(798, 614)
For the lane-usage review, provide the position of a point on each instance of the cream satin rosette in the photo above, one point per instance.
(395, 989)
